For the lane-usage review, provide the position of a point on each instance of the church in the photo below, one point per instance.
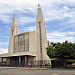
(27, 46)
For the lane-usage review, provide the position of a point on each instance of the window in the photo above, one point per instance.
(21, 43)
(16, 43)
(40, 36)
(26, 49)
(12, 32)
(26, 45)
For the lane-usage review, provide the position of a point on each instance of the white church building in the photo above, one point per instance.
(27, 46)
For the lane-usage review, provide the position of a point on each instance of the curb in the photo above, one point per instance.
(24, 68)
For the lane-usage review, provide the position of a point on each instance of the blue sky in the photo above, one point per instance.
(59, 16)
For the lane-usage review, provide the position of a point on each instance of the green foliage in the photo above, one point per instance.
(48, 64)
(62, 51)
(50, 51)
(69, 62)
(65, 50)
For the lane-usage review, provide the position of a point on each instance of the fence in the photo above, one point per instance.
(38, 64)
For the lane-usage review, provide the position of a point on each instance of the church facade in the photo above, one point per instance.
(27, 46)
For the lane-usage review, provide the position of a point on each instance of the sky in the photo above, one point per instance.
(59, 16)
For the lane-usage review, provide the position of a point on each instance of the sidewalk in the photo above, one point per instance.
(27, 68)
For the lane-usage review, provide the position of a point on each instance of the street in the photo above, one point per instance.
(4, 71)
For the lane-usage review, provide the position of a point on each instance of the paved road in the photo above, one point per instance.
(4, 71)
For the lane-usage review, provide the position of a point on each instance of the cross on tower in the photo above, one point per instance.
(38, 5)
(14, 15)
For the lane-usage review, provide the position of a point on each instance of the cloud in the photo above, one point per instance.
(61, 36)
(66, 8)
(4, 18)
(52, 9)
(31, 28)
(63, 10)
(24, 20)
(8, 8)
(3, 50)
(3, 43)
(16, 6)
(60, 13)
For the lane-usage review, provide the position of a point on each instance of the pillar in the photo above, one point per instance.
(19, 60)
(2, 59)
(23, 43)
(25, 60)
(8, 61)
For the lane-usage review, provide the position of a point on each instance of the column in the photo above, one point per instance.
(14, 46)
(19, 60)
(8, 61)
(24, 42)
(25, 60)
(18, 44)
(2, 59)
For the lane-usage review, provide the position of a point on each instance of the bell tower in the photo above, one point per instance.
(41, 35)
(13, 32)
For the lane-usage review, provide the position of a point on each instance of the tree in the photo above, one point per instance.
(62, 51)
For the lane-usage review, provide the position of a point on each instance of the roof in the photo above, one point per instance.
(24, 33)
(18, 54)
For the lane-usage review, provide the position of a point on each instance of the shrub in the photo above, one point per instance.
(69, 62)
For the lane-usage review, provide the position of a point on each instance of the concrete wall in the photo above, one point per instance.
(32, 41)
